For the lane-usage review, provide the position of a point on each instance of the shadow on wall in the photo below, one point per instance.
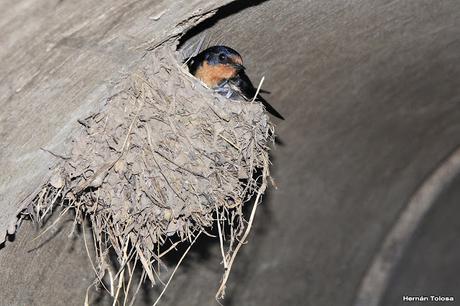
(223, 12)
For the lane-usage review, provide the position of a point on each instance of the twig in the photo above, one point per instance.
(221, 291)
(158, 165)
(175, 269)
(231, 143)
(177, 165)
(52, 225)
(221, 239)
(169, 249)
(90, 259)
(258, 89)
(141, 280)
(131, 275)
(120, 283)
(55, 154)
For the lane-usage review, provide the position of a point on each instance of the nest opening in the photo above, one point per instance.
(165, 161)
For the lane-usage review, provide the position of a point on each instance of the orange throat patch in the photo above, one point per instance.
(213, 75)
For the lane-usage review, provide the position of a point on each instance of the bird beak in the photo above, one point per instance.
(238, 67)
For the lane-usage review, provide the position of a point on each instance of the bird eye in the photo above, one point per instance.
(222, 57)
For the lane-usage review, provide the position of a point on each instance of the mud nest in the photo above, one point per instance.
(165, 160)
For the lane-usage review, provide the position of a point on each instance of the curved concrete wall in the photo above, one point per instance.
(371, 93)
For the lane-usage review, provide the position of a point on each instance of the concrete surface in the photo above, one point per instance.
(437, 238)
(54, 269)
(370, 91)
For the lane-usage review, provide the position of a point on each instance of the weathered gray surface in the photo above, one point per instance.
(51, 270)
(438, 237)
(58, 63)
(370, 92)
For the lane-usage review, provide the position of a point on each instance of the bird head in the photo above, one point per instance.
(222, 55)
(216, 65)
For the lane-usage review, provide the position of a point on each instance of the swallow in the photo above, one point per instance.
(221, 68)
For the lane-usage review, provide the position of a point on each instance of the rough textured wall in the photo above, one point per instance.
(370, 92)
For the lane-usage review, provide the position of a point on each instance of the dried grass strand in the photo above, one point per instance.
(175, 269)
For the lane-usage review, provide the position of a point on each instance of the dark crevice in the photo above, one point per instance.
(221, 13)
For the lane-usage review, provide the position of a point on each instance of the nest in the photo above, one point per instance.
(163, 161)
